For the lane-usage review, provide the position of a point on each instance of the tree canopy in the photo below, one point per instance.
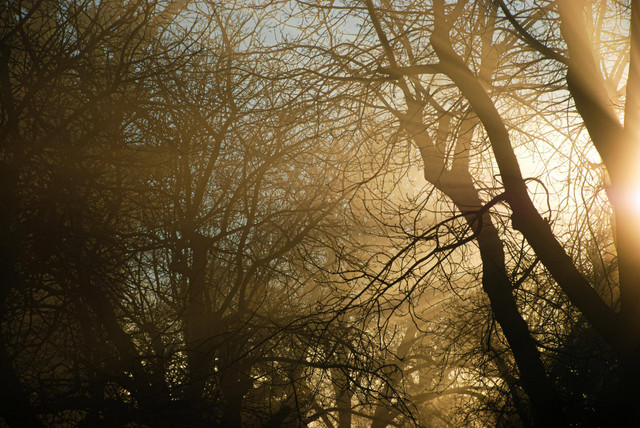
(326, 214)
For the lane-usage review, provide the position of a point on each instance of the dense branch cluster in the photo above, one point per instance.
(327, 214)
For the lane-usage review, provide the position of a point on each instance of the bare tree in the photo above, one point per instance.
(169, 210)
(480, 89)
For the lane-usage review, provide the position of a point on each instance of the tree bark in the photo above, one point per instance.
(196, 330)
(525, 217)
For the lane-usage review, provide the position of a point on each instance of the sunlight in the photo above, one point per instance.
(629, 185)
(633, 199)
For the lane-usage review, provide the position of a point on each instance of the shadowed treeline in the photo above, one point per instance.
(326, 214)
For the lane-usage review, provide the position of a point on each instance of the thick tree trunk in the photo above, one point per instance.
(619, 148)
(15, 407)
(196, 328)
(458, 185)
(525, 217)
(545, 402)
(235, 385)
(343, 394)
(147, 393)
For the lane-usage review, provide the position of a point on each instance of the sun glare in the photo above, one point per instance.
(632, 200)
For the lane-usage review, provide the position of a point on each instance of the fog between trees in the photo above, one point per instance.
(320, 213)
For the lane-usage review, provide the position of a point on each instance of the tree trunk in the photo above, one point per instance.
(496, 283)
(196, 330)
